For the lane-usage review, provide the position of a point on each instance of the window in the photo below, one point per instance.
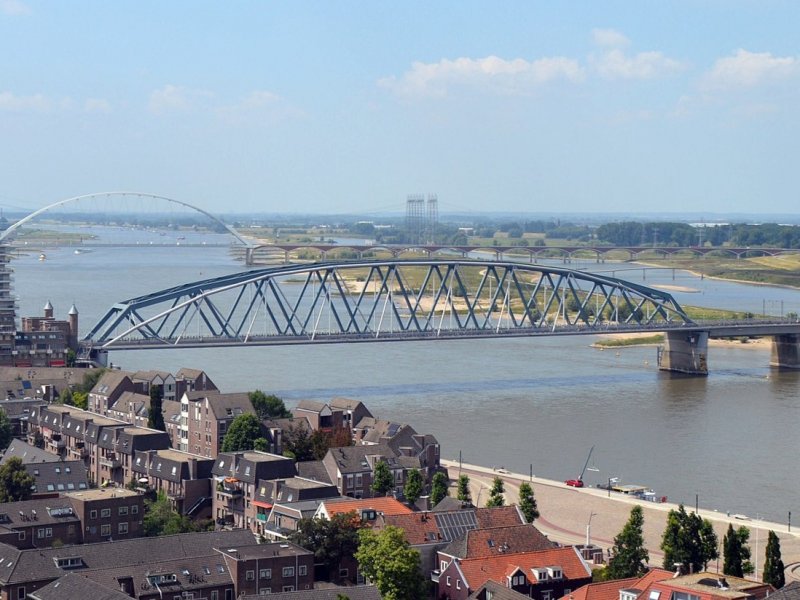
(123, 510)
(443, 566)
(40, 533)
(21, 535)
(105, 530)
(349, 482)
(343, 573)
(448, 581)
(288, 588)
(134, 509)
(105, 512)
(288, 572)
(122, 528)
(458, 584)
(21, 592)
(214, 595)
(359, 480)
(250, 575)
(547, 594)
(265, 574)
(92, 514)
(302, 570)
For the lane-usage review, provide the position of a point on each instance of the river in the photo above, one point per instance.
(512, 402)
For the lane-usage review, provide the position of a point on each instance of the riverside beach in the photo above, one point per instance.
(566, 513)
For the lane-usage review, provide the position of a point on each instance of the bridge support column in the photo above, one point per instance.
(785, 351)
(248, 256)
(684, 352)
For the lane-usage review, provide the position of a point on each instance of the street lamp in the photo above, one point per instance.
(589, 529)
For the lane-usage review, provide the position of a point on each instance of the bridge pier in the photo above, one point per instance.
(785, 351)
(684, 352)
(248, 256)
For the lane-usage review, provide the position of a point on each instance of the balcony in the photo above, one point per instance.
(435, 576)
(261, 516)
(230, 487)
(110, 460)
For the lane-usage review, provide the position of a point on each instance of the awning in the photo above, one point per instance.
(260, 504)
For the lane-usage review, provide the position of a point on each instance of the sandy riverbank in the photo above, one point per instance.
(763, 343)
(565, 513)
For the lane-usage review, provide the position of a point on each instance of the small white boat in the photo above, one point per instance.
(43, 256)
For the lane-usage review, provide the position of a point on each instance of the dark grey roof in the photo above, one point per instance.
(19, 566)
(67, 476)
(495, 591)
(253, 465)
(313, 469)
(18, 408)
(311, 406)
(353, 459)
(224, 406)
(448, 503)
(45, 511)
(360, 592)
(110, 381)
(170, 464)
(74, 586)
(27, 453)
(791, 591)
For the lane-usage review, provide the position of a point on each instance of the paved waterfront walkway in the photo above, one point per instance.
(565, 513)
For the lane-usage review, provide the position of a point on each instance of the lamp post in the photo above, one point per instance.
(589, 529)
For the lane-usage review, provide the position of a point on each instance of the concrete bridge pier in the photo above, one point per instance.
(684, 352)
(248, 256)
(785, 351)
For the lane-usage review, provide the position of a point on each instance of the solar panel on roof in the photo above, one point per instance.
(26, 385)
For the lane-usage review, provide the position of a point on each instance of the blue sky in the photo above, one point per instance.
(682, 106)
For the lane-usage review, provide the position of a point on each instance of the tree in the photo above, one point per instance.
(242, 434)
(527, 502)
(629, 558)
(261, 444)
(388, 561)
(90, 379)
(155, 417)
(413, 488)
(65, 397)
(268, 406)
(463, 493)
(15, 481)
(496, 497)
(297, 442)
(438, 488)
(5, 430)
(161, 519)
(773, 564)
(737, 553)
(80, 400)
(688, 540)
(331, 540)
(382, 479)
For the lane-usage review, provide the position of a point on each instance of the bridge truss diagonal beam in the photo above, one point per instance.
(381, 300)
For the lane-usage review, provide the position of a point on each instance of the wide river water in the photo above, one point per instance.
(728, 438)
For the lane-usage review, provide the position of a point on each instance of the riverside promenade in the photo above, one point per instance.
(565, 513)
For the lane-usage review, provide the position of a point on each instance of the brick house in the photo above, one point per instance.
(543, 574)
(117, 445)
(237, 477)
(184, 478)
(204, 420)
(265, 568)
(52, 474)
(700, 586)
(350, 468)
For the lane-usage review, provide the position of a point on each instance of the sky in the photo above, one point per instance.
(341, 107)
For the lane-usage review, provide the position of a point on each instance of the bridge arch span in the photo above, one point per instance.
(12, 228)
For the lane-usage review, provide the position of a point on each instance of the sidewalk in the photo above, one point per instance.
(565, 513)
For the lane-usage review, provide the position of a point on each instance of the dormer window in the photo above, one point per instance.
(539, 574)
(554, 573)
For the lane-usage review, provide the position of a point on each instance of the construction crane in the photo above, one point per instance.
(578, 483)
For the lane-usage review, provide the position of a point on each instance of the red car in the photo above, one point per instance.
(574, 482)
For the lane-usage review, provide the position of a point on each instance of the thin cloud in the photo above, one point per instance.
(175, 98)
(36, 102)
(14, 8)
(259, 106)
(609, 38)
(491, 74)
(750, 69)
(615, 64)
(97, 105)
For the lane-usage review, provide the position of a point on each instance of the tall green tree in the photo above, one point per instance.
(629, 556)
(688, 540)
(382, 479)
(5, 430)
(773, 563)
(388, 561)
(737, 552)
(15, 481)
(65, 397)
(80, 400)
(496, 497)
(161, 519)
(463, 492)
(268, 406)
(413, 487)
(155, 417)
(90, 379)
(331, 540)
(527, 502)
(438, 488)
(297, 441)
(242, 434)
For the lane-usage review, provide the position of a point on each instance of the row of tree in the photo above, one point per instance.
(689, 542)
(633, 233)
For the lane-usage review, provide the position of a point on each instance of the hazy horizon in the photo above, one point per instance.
(687, 107)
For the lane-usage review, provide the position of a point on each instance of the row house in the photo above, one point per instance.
(320, 416)
(284, 517)
(108, 389)
(700, 586)
(28, 570)
(351, 468)
(403, 440)
(117, 446)
(76, 518)
(237, 478)
(543, 574)
(286, 491)
(205, 418)
(132, 408)
(184, 478)
(18, 410)
(621, 589)
(261, 569)
(163, 381)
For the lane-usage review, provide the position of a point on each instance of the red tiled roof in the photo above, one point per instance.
(501, 516)
(609, 590)
(385, 505)
(498, 540)
(420, 528)
(478, 570)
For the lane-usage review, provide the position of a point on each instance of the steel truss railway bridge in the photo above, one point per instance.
(402, 300)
